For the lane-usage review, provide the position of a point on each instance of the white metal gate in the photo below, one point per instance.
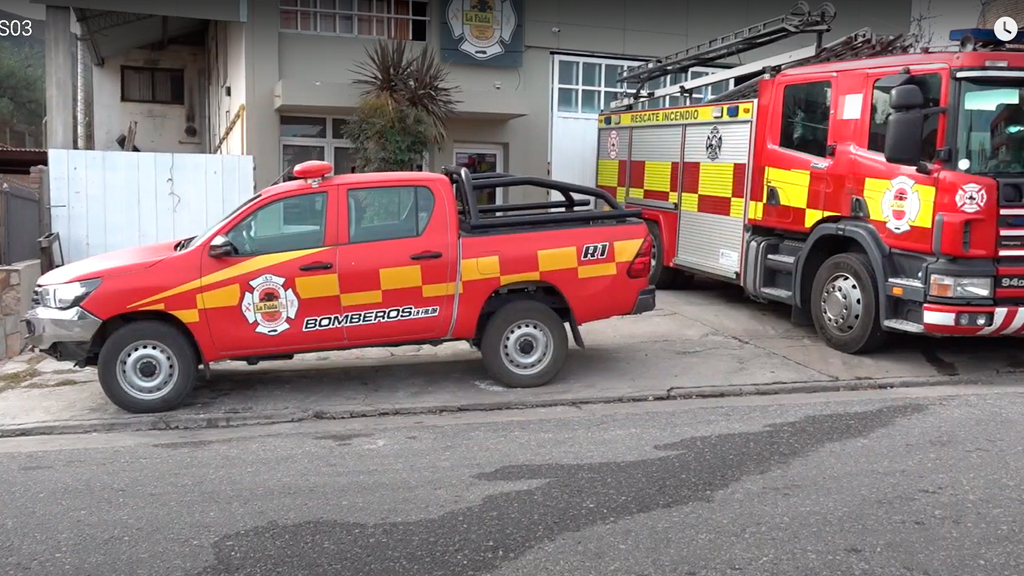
(104, 201)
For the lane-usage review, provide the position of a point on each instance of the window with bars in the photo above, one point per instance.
(152, 85)
(392, 19)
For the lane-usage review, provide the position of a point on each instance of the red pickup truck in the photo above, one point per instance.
(350, 261)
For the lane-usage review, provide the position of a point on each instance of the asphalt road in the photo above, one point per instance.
(901, 482)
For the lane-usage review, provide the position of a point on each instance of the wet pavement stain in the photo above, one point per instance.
(941, 365)
(479, 539)
(343, 439)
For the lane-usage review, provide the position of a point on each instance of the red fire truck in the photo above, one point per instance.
(872, 187)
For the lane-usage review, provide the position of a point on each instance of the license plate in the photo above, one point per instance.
(1010, 282)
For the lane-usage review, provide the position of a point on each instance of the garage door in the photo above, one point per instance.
(582, 87)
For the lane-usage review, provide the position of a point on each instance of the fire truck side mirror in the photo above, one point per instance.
(903, 138)
(906, 97)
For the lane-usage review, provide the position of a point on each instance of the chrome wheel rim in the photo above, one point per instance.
(526, 347)
(842, 304)
(147, 370)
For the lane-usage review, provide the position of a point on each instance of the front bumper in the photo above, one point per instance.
(73, 327)
(943, 320)
(644, 301)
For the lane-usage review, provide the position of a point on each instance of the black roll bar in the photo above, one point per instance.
(464, 182)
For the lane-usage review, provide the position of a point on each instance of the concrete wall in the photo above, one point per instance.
(161, 127)
(16, 284)
(226, 62)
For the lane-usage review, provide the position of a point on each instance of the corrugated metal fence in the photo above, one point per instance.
(105, 201)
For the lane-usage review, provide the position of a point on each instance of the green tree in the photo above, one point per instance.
(22, 85)
(404, 106)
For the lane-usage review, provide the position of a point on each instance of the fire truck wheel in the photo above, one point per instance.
(662, 277)
(147, 367)
(844, 304)
(524, 344)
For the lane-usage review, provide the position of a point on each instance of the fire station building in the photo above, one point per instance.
(273, 78)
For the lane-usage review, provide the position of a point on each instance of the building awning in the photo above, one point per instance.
(223, 10)
(21, 160)
(115, 33)
(322, 97)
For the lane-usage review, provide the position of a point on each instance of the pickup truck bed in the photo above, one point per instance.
(351, 261)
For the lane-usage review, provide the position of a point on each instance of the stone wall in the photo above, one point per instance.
(16, 284)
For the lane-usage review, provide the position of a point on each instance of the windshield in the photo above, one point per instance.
(198, 239)
(991, 126)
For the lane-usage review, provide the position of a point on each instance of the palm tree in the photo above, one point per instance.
(404, 106)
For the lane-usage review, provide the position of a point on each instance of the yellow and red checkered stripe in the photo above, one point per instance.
(611, 177)
(713, 188)
(652, 180)
(186, 300)
(798, 209)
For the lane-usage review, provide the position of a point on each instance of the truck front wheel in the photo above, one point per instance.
(524, 345)
(147, 366)
(844, 304)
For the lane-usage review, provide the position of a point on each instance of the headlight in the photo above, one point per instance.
(955, 287)
(64, 296)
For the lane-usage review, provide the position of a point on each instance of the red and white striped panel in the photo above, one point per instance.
(1006, 321)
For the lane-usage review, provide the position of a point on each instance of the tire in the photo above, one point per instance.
(851, 324)
(526, 322)
(150, 346)
(662, 277)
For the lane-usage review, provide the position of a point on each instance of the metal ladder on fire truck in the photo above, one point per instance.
(799, 20)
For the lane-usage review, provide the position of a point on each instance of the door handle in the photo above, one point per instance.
(316, 266)
(773, 196)
(425, 256)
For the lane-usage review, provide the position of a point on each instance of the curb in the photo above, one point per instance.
(230, 420)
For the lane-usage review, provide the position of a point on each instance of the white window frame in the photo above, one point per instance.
(556, 83)
(389, 19)
(703, 93)
(327, 144)
(470, 148)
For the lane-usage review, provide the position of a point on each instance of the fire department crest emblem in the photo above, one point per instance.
(713, 145)
(900, 205)
(269, 305)
(483, 25)
(970, 198)
(613, 144)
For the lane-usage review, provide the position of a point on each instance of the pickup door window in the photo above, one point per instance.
(256, 301)
(397, 270)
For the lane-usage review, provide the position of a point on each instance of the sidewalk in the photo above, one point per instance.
(698, 343)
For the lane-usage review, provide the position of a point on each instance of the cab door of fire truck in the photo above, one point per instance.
(798, 147)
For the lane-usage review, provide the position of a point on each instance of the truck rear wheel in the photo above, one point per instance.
(524, 345)
(147, 367)
(844, 304)
(664, 277)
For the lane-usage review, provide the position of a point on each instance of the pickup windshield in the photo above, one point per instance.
(200, 238)
(991, 126)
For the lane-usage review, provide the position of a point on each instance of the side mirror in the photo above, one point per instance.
(906, 97)
(904, 135)
(221, 247)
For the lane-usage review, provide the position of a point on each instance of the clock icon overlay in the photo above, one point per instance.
(1005, 28)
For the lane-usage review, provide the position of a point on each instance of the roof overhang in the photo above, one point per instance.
(21, 161)
(115, 33)
(224, 10)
